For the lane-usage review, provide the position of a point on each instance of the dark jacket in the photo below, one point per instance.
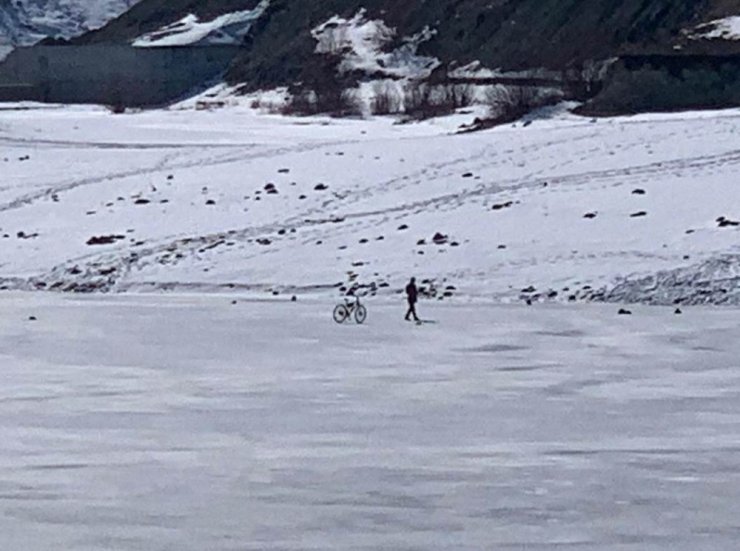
(412, 293)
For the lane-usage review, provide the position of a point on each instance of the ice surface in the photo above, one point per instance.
(155, 423)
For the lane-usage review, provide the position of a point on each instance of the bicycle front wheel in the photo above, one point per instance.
(340, 313)
(360, 314)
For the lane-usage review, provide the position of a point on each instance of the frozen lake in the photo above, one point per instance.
(189, 423)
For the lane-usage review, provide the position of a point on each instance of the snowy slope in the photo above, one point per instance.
(560, 207)
(24, 22)
(227, 29)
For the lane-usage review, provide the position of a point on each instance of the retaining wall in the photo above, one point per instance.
(110, 74)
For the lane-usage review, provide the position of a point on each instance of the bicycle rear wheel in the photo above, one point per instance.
(340, 313)
(360, 314)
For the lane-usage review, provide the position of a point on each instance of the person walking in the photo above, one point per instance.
(412, 295)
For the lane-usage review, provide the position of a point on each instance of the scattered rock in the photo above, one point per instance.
(467, 175)
(724, 222)
(142, 201)
(320, 187)
(210, 202)
(439, 239)
(590, 215)
(501, 206)
(624, 312)
(403, 227)
(284, 171)
(638, 214)
(638, 191)
(32, 318)
(677, 311)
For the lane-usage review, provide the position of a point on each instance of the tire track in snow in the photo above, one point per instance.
(190, 245)
(161, 166)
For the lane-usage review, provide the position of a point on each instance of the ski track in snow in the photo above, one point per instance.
(379, 176)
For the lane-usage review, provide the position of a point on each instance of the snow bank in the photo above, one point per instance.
(715, 281)
(363, 44)
(228, 29)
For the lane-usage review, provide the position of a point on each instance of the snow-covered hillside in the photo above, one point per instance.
(24, 22)
(227, 29)
(555, 208)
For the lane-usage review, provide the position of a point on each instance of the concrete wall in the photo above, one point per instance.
(109, 74)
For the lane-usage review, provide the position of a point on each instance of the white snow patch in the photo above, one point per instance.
(362, 43)
(227, 29)
(724, 29)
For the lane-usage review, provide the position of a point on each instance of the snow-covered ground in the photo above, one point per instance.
(188, 423)
(562, 206)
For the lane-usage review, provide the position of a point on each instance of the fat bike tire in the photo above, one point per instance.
(340, 313)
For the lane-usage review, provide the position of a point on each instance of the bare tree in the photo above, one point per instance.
(386, 100)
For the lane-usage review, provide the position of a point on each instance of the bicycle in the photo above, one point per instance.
(343, 312)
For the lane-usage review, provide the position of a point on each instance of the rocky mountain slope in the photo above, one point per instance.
(508, 34)
(310, 44)
(327, 47)
(24, 22)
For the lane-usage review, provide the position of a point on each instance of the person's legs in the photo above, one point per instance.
(411, 311)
